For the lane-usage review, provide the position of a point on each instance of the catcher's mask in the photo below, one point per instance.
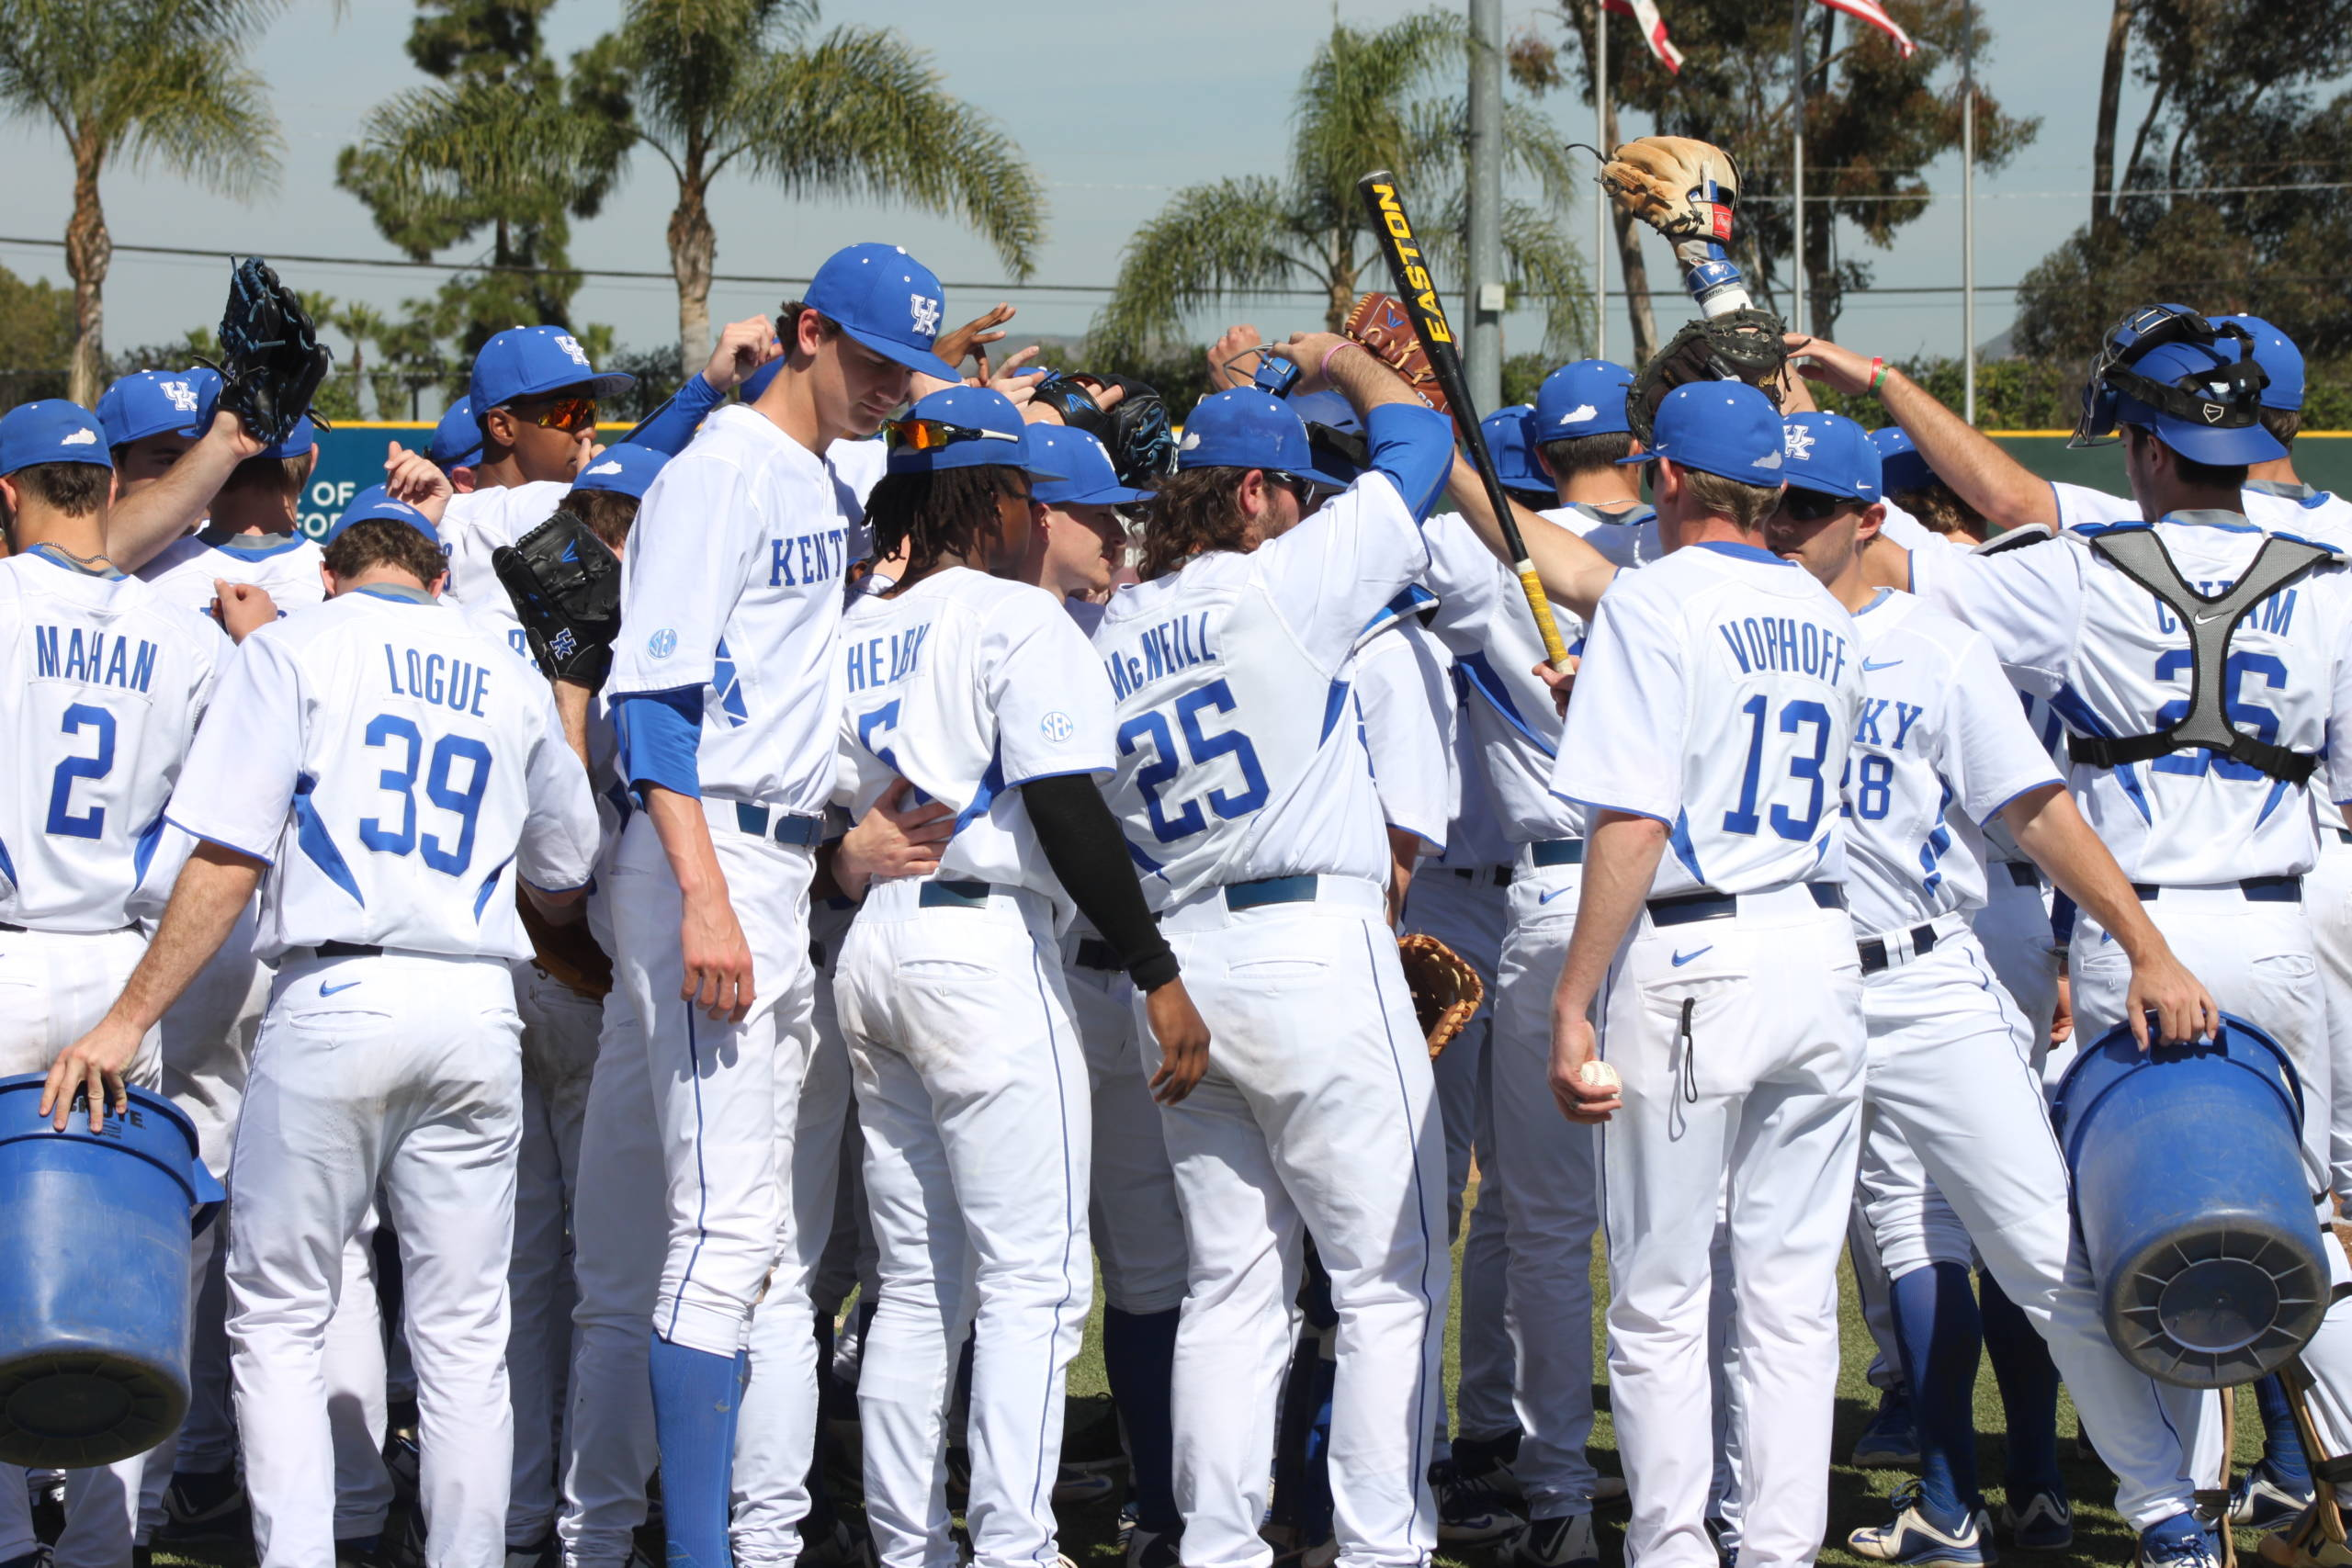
(2226, 398)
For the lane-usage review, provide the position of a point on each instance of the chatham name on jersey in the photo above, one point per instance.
(89, 654)
(1785, 643)
(1161, 649)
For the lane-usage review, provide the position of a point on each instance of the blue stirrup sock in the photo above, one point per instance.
(2282, 1450)
(2029, 1381)
(1939, 1333)
(697, 1397)
(1140, 1360)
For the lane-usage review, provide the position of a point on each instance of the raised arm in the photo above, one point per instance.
(138, 528)
(1575, 574)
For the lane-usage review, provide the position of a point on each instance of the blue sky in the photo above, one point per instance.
(1117, 104)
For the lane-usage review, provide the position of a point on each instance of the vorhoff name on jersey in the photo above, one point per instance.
(1156, 651)
(88, 654)
(1784, 642)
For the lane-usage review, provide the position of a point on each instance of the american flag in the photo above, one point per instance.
(1874, 12)
(1644, 13)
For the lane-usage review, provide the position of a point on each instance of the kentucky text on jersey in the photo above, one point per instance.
(808, 557)
(1873, 709)
(80, 654)
(1157, 650)
(878, 661)
(1783, 642)
(444, 682)
(2272, 615)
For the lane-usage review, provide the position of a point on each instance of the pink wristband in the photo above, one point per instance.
(1324, 370)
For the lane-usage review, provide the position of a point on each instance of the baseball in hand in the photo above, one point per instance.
(1599, 1075)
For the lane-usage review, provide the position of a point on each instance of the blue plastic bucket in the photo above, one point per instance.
(2194, 1210)
(93, 1277)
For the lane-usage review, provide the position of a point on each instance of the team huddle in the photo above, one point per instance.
(972, 854)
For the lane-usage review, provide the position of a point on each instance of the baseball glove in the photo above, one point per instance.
(271, 358)
(1739, 345)
(568, 953)
(1446, 990)
(1385, 327)
(1133, 430)
(1662, 180)
(566, 584)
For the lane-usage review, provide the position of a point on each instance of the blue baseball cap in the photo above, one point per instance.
(1725, 428)
(886, 299)
(158, 402)
(375, 502)
(1506, 431)
(51, 430)
(1007, 444)
(456, 440)
(530, 362)
(1587, 398)
(1900, 465)
(2279, 358)
(1244, 428)
(2172, 363)
(624, 468)
(1090, 481)
(297, 441)
(1829, 453)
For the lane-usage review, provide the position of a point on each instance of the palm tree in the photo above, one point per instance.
(856, 111)
(147, 83)
(1365, 102)
(364, 325)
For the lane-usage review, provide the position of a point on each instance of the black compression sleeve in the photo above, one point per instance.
(1084, 846)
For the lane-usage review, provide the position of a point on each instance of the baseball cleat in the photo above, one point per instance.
(202, 1505)
(1892, 1439)
(2181, 1543)
(1153, 1549)
(1072, 1484)
(2047, 1523)
(1555, 1543)
(1488, 1463)
(1468, 1513)
(1911, 1538)
(845, 1545)
(2259, 1500)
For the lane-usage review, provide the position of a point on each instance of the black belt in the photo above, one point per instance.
(1557, 851)
(2343, 835)
(2257, 889)
(1874, 949)
(783, 826)
(1500, 873)
(1682, 910)
(1270, 890)
(5, 926)
(346, 950)
(2024, 873)
(1093, 953)
(957, 895)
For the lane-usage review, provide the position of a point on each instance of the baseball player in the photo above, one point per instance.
(173, 449)
(2209, 835)
(725, 691)
(1714, 705)
(1249, 803)
(103, 685)
(253, 534)
(970, 1079)
(1950, 1094)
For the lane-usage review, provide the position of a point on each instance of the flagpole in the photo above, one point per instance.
(1968, 219)
(1796, 135)
(1599, 202)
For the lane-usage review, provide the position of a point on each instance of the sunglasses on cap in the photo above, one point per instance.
(1813, 505)
(932, 435)
(570, 415)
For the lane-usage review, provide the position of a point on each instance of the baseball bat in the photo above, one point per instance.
(1410, 270)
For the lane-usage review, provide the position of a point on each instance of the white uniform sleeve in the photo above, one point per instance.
(689, 556)
(859, 464)
(560, 833)
(1052, 701)
(2080, 504)
(2027, 603)
(1990, 753)
(1332, 572)
(246, 765)
(1621, 749)
(1468, 580)
(2336, 775)
(1407, 709)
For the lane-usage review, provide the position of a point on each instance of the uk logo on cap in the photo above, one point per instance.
(570, 346)
(926, 311)
(1798, 442)
(183, 396)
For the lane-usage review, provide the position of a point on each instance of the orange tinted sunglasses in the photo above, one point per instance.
(570, 415)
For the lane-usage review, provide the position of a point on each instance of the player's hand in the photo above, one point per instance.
(230, 432)
(957, 347)
(2162, 983)
(1184, 1039)
(417, 479)
(93, 1064)
(718, 960)
(1307, 351)
(893, 839)
(1562, 681)
(1818, 359)
(242, 608)
(1011, 378)
(1572, 1046)
(1237, 342)
(743, 347)
(2062, 1022)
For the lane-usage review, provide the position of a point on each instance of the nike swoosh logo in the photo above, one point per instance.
(1547, 897)
(1682, 958)
(2209, 620)
(1873, 664)
(329, 990)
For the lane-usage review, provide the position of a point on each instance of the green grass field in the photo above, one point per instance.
(1856, 1496)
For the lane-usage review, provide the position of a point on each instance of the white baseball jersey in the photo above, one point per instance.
(1718, 694)
(398, 769)
(968, 687)
(2113, 660)
(1406, 719)
(1626, 539)
(102, 685)
(732, 585)
(1237, 758)
(475, 525)
(2281, 509)
(284, 566)
(1474, 838)
(1482, 617)
(1940, 745)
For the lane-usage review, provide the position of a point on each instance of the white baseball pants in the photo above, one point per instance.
(2014, 928)
(972, 1093)
(2327, 900)
(1318, 1114)
(1132, 1213)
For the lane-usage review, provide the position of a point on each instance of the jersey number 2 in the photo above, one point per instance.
(1203, 749)
(465, 804)
(62, 819)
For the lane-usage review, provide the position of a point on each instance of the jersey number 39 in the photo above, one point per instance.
(392, 732)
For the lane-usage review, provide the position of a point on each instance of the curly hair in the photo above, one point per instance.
(1940, 510)
(1192, 511)
(383, 541)
(940, 512)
